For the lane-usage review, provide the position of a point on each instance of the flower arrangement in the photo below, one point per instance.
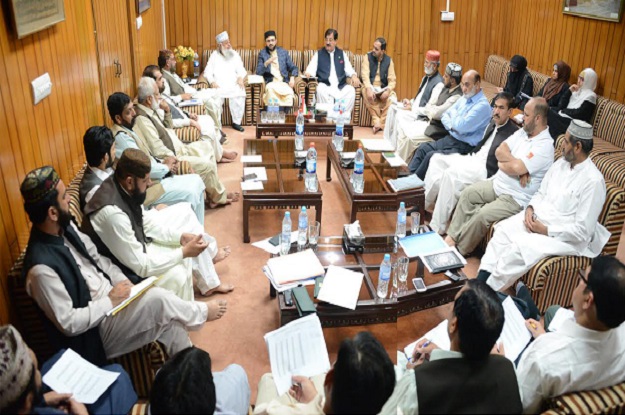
(181, 53)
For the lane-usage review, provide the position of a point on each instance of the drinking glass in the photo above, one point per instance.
(416, 222)
(263, 117)
(313, 233)
(394, 277)
(282, 117)
(284, 249)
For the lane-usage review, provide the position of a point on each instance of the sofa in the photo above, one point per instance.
(141, 365)
(553, 279)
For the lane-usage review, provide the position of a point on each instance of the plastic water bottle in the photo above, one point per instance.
(339, 140)
(196, 65)
(285, 243)
(400, 230)
(336, 107)
(311, 169)
(384, 277)
(302, 228)
(299, 132)
(358, 176)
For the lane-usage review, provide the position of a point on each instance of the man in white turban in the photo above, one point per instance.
(225, 72)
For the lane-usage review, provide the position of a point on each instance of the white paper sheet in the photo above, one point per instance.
(560, 317)
(254, 79)
(275, 250)
(515, 336)
(294, 267)
(377, 144)
(341, 287)
(297, 349)
(395, 161)
(73, 374)
(192, 82)
(422, 244)
(252, 185)
(283, 287)
(438, 335)
(261, 173)
(256, 158)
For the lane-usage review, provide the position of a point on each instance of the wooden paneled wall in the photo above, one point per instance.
(148, 40)
(534, 28)
(51, 131)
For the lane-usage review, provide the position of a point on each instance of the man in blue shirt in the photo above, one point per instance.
(465, 121)
(278, 70)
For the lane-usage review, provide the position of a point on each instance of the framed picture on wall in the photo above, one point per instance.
(31, 16)
(610, 10)
(143, 5)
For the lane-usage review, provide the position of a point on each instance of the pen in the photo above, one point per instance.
(424, 345)
(533, 325)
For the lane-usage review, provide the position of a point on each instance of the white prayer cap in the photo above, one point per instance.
(222, 37)
(580, 129)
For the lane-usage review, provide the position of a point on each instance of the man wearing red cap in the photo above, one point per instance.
(431, 86)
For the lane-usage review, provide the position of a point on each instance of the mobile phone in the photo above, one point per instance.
(275, 240)
(419, 285)
(288, 297)
(250, 176)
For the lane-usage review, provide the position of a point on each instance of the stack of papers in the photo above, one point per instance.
(377, 144)
(255, 79)
(393, 159)
(135, 291)
(406, 183)
(341, 287)
(515, 336)
(422, 244)
(298, 348)
(287, 286)
(295, 267)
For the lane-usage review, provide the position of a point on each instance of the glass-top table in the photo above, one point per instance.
(284, 187)
(320, 126)
(370, 310)
(377, 196)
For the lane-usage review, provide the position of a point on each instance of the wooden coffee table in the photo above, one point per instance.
(377, 196)
(317, 128)
(284, 188)
(369, 310)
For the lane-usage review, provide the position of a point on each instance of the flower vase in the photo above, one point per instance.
(185, 68)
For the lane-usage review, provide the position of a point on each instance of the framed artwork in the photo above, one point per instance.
(31, 16)
(143, 5)
(609, 10)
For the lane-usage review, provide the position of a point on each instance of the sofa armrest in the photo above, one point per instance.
(188, 134)
(610, 400)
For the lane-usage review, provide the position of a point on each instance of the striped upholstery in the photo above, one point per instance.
(188, 134)
(141, 364)
(610, 121)
(184, 167)
(249, 58)
(610, 400)
(496, 70)
(539, 81)
(196, 109)
(360, 115)
(140, 408)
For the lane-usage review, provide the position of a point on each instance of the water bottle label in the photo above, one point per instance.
(299, 129)
(339, 130)
(359, 168)
(401, 218)
(196, 64)
(311, 166)
(303, 223)
(385, 274)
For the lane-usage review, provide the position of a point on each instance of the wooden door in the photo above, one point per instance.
(114, 49)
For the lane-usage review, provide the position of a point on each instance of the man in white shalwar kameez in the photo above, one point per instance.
(151, 243)
(157, 315)
(225, 72)
(429, 82)
(422, 124)
(332, 68)
(560, 219)
(449, 174)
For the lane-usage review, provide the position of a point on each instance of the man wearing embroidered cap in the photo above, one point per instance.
(427, 126)
(278, 70)
(560, 219)
(22, 390)
(225, 71)
(411, 108)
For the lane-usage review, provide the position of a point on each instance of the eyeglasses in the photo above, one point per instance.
(582, 275)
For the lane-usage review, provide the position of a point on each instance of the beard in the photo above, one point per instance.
(429, 71)
(130, 124)
(227, 53)
(65, 218)
(110, 162)
(470, 94)
(568, 155)
(137, 196)
(529, 128)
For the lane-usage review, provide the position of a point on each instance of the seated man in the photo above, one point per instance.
(167, 188)
(467, 378)
(560, 219)
(523, 161)
(359, 382)
(225, 72)
(148, 244)
(431, 86)
(465, 121)
(379, 83)
(98, 142)
(423, 124)
(450, 174)
(177, 90)
(75, 287)
(22, 391)
(332, 68)
(163, 142)
(180, 118)
(186, 385)
(586, 352)
(276, 67)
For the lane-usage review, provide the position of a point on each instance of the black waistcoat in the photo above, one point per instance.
(324, 66)
(373, 68)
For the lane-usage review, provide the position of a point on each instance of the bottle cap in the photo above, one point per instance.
(402, 205)
(359, 145)
(387, 257)
(303, 208)
(287, 213)
(312, 144)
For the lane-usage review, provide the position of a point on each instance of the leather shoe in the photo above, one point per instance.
(238, 127)
(223, 140)
(222, 133)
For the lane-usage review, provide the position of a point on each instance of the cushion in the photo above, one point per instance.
(602, 401)
(609, 123)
